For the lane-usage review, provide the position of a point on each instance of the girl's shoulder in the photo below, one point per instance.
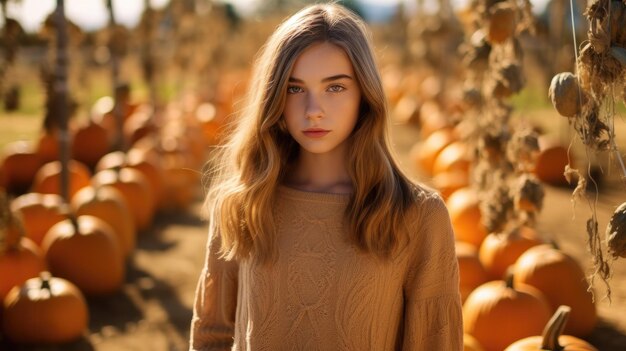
(423, 194)
(423, 219)
(425, 200)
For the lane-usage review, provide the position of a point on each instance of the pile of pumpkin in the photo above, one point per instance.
(442, 154)
(511, 283)
(54, 251)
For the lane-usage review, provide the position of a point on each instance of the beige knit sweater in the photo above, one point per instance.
(325, 294)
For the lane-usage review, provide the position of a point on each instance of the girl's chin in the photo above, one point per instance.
(319, 150)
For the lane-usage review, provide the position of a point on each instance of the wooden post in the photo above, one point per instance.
(118, 144)
(147, 54)
(61, 93)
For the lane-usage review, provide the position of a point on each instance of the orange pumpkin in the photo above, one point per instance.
(465, 216)
(431, 118)
(48, 146)
(471, 344)
(112, 160)
(48, 178)
(561, 279)
(135, 189)
(212, 129)
(449, 182)
(140, 124)
(407, 109)
(19, 261)
(39, 213)
(85, 251)
(500, 250)
(181, 186)
(194, 142)
(182, 135)
(103, 113)
(19, 166)
(551, 339)
(45, 310)
(516, 311)
(108, 204)
(148, 146)
(453, 158)
(472, 274)
(180, 178)
(20, 258)
(90, 143)
(425, 153)
(148, 165)
(551, 161)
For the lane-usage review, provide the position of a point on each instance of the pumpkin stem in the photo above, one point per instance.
(72, 217)
(508, 279)
(66, 210)
(97, 190)
(554, 329)
(45, 277)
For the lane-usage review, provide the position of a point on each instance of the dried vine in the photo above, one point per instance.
(588, 100)
(510, 196)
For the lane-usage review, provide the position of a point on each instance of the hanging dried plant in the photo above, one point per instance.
(476, 53)
(589, 102)
(502, 22)
(572, 176)
(505, 153)
(496, 205)
(524, 148)
(616, 232)
(505, 81)
(565, 94)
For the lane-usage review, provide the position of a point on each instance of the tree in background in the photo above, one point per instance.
(11, 33)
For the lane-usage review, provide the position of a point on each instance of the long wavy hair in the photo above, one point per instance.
(254, 160)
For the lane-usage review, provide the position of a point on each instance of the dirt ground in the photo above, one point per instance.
(153, 310)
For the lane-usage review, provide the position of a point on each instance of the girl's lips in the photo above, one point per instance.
(315, 133)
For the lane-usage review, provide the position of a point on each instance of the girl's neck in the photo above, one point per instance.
(326, 173)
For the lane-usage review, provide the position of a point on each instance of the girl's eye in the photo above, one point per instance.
(336, 88)
(294, 89)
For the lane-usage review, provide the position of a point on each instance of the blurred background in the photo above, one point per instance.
(189, 41)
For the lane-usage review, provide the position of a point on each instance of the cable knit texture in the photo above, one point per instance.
(325, 294)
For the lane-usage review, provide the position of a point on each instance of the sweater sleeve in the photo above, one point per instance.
(432, 312)
(212, 324)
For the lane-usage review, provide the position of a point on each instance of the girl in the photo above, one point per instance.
(317, 240)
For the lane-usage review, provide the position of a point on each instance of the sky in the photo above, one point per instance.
(88, 14)
(92, 14)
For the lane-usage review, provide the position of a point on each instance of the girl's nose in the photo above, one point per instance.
(313, 108)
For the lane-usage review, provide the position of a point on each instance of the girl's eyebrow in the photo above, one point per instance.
(327, 79)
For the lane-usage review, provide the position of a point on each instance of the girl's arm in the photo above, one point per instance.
(432, 315)
(212, 325)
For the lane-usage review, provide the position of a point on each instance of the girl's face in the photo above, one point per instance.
(323, 99)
